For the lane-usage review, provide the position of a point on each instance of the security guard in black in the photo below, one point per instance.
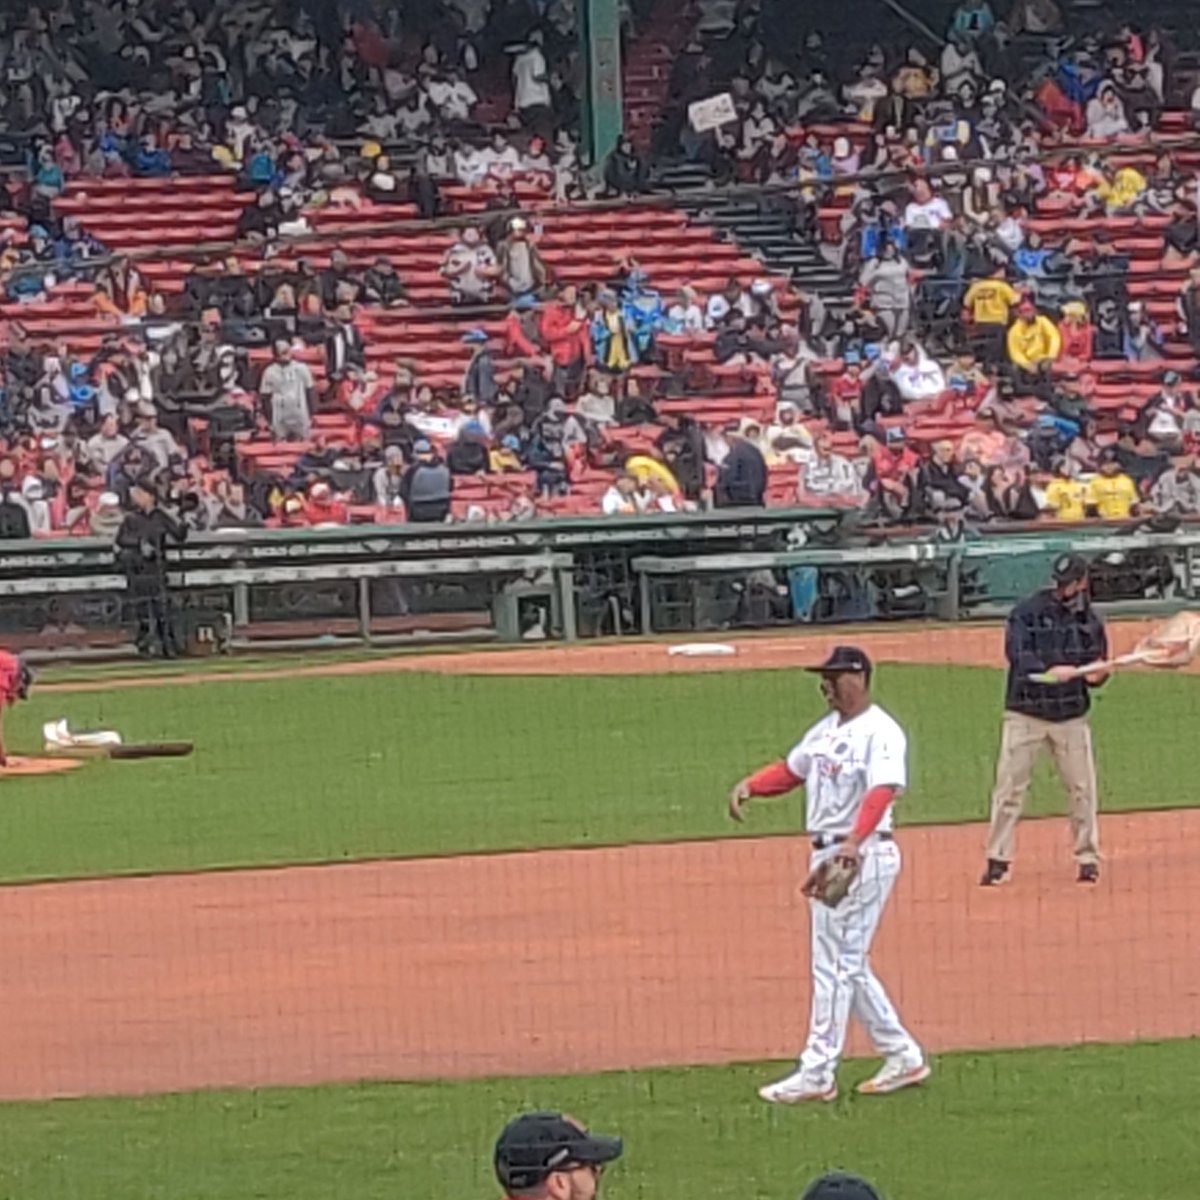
(1049, 633)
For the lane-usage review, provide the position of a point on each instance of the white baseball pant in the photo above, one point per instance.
(843, 982)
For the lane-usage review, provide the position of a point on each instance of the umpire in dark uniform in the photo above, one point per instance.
(141, 552)
(1048, 633)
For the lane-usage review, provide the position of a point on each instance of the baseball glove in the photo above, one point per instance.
(832, 880)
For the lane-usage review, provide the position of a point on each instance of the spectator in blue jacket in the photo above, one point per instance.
(150, 158)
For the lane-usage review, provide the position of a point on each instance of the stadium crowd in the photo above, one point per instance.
(999, 358)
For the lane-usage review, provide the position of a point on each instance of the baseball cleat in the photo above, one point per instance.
(894, 1075)
(995, 872)
(1088, 873)
(798, 1088)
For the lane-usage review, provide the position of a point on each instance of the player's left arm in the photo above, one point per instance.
(887, 776)
(1099, 647)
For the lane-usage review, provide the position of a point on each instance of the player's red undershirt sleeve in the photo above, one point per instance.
(776, 779)
(875, 804)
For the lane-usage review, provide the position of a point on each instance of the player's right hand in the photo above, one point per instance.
(1061, 674)
(738, 798)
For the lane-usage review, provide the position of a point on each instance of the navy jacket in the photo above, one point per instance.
(1044, 633)
(742, 479)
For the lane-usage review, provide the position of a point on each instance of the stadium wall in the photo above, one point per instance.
(674, 575)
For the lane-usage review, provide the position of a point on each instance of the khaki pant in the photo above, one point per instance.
(1022, 740)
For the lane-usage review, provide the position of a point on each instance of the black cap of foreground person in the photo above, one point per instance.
(1070, 568)
(534, 1146)
(838, 1185)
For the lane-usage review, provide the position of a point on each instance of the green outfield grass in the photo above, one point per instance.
(1079, 1124)
(317, 769)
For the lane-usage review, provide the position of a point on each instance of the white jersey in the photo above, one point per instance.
(841, 761)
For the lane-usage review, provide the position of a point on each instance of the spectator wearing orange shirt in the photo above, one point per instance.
(993, 443)
(120, 292)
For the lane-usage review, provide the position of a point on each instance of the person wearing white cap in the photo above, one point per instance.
(33, 491)
(521, 265)
(105, 519)
(845, 160)
(239, 131)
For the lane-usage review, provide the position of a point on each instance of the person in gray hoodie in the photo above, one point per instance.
(885, 279)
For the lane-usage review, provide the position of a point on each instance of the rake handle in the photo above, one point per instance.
(1103, 664)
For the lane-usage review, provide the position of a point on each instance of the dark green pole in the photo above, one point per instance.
(600, 50)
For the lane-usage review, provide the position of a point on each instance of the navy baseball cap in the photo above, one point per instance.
(838, 1185)
(1070, 568)
(844, 660)
(535, 1145)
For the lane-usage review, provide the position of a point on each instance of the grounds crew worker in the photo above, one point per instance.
(549, 1156)
(1055, 628)
(141, 552)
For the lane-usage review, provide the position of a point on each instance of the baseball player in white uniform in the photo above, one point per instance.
(852, 767)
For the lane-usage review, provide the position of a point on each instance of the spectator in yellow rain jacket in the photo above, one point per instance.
(644, 468)
(1033, 343)
(1117, 191)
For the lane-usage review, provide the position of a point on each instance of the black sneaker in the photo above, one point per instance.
(995, 872)
(1088, 873)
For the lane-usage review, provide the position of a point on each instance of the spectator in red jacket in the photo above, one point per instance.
(324, 508)
(15, 681)
(565, 335)
(1077, 335)
(845, 393)
(894, 466)
(522, 329)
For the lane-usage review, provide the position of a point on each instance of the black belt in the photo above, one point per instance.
(822, 841)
